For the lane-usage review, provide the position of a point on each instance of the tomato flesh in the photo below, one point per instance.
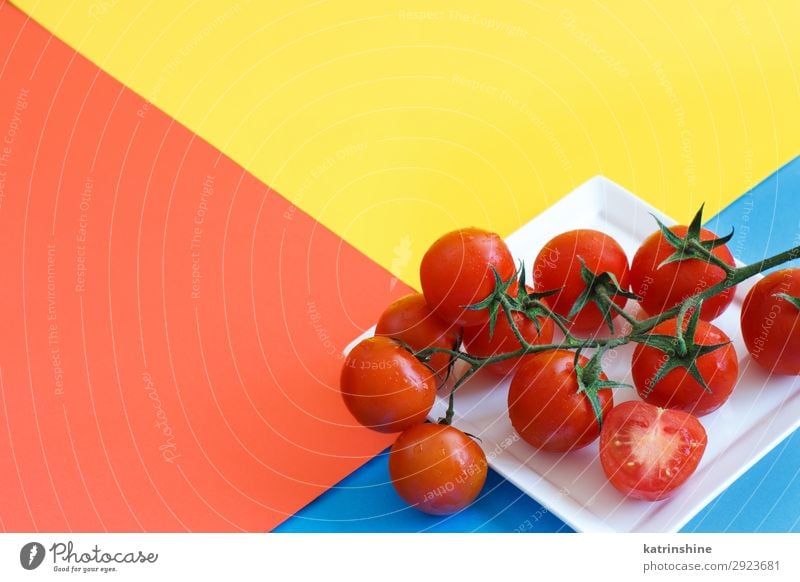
(648, 452)
(437, 469)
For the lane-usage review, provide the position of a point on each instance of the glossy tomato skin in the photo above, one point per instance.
(478, 342)
(437, 468)
(456, 272)
(678, 390)
(771, 325)
(647, 452)
(412, 321)
(385, 387)
(663, 288)
(557, 267)
(545, 407)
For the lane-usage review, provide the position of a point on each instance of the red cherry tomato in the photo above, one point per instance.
(478, 342)
(437, 468)
(410, 320)
(678, 389)
(456, 272)
(546, 408)
(557, 267)
(663, 288)
(647, 452)
(385, 387)
(771, 324)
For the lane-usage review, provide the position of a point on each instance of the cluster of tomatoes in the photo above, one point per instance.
(560, 400)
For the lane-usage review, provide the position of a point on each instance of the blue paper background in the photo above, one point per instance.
(765, 499)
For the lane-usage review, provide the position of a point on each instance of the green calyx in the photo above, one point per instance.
(691, 247)
(494, 300)
(531, 303)
(523, 302)
(590, 382)
(600, 289)
(681, 350)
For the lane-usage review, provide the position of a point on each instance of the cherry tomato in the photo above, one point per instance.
(478, 342)
(546, 408)
(771, 324)
(663, 288)
(647, 452)
(557, 267)
(678, 389)
(437, 468)
(456, 272)
(385, 387)
(410, 320)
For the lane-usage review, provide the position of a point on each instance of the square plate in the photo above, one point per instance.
(761, 412)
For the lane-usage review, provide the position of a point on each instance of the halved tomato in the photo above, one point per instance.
(647, 452)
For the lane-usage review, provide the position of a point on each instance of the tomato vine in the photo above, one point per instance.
(600, 289)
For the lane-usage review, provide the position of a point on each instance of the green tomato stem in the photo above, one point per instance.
(625, 315)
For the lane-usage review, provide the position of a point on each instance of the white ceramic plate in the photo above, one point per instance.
(761, 412)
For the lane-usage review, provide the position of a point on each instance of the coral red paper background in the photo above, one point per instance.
(170, 327)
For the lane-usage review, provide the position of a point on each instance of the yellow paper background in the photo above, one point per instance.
(391, 122)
